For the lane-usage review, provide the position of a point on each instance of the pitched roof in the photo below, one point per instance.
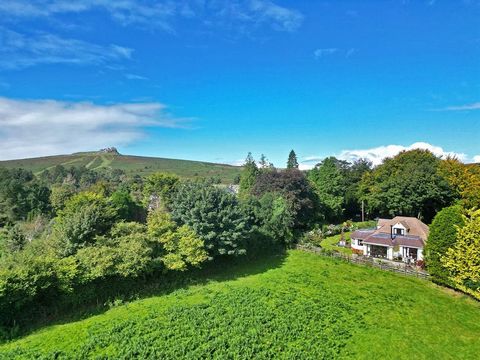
(400, 240)
(416, 237)
(415, 227)
(362, 234)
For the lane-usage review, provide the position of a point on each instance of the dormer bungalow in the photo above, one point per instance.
(401, 238)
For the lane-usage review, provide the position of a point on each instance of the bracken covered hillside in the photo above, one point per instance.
(130, 164)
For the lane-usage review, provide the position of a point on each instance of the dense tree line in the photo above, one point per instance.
(67, 230)
(81, 233)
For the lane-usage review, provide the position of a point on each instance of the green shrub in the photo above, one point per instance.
(214, 215)
(462, 260)
(85, 216)
(443, 235)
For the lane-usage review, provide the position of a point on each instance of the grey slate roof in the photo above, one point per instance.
(416, 236)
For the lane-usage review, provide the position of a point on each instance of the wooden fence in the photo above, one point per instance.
(368, 261)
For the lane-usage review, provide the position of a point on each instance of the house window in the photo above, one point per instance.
(398, 231)
(360, 242)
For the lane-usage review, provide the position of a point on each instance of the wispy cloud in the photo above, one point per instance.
(135, 77)
(125, 12)
(319, 53)
(377, 154)
(350, 52)
(473, 106)
(45, 127)
(282, 18)
(21, 50)
(162, 14)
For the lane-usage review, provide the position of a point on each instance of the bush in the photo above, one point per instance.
(443, 235)
(85, 216)
(159, 189)
(178, 247)
(462, 260)
(214, 215)
(272, 218)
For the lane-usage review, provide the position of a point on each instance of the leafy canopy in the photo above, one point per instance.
(408, 184)
(295, 189)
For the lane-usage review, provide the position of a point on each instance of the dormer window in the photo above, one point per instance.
(398, 231)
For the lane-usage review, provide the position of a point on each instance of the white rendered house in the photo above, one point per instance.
(401, 238)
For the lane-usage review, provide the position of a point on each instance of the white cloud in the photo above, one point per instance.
(473, 106)
(162, 14)
(476, 159)
(304, 166)
(377, 154)
(31, 128)
(319, 53)
(19, 51)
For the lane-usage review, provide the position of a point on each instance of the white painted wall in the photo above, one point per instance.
(390, 253)
(420, 254)
(354, 244)
(401, 227)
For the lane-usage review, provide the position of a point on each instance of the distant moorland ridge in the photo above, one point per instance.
(110, 158)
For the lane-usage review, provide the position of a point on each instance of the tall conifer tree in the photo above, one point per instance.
(292, 162)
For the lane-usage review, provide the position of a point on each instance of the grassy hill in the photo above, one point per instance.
(131, 164)
(301, 306)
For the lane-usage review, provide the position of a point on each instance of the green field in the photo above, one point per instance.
(298, 306)
(330, 243)
(130, 164)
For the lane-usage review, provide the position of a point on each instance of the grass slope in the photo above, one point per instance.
(302, 307)
(131, 164)
(330, 243)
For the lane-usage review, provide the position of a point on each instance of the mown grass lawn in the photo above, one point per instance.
(330, 243)
(303, 306)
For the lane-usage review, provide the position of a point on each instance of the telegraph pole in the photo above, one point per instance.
(363, 211)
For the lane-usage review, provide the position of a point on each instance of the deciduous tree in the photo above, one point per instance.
(329, 180)
(408, 184)
(463, 259)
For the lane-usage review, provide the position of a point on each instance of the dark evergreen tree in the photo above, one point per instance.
(248, 176)
(443, 235)
(214, 215)
(292, 162)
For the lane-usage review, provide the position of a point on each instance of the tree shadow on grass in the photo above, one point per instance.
(97, 298)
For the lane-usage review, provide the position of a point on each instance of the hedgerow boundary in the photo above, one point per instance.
(366, 261)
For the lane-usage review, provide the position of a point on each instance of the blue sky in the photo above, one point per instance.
(212, 80)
